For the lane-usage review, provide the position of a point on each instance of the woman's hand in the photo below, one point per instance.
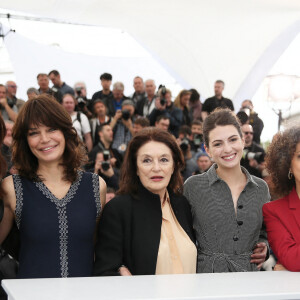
(124, 271)
(279, 267)
(259, 254)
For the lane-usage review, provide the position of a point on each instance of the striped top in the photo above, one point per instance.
(225, 238)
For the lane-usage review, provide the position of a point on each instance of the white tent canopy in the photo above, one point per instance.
(196, 41)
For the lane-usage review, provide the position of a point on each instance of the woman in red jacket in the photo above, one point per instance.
(282, 217)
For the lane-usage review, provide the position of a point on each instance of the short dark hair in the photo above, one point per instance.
(54, 72)
(101, 126)
(197, 122)
(195, 96)
(129, 181)
(106, 76)
(162, 117)
(143, 121)
(99, 101)
(44, 109)
(278, 160)
(185, 129)
(220, 117)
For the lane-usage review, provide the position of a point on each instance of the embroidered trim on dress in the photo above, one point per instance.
(61, 206)
(96, 189)
(19, 198)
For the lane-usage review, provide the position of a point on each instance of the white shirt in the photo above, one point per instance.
(82, 127)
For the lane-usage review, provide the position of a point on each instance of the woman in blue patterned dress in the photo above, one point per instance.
(55, 204)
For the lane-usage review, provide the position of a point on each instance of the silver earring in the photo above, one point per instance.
(290, 175)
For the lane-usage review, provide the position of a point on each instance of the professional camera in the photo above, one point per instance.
(184, 144)
(163, 92)
(79, 98)
(243, 115)
(105, 164)
(125, 114)
(258, 156)
(198, 139)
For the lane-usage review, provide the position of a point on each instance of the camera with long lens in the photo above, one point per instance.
(105, 164)
(125, 114)
(198, 139)
(79, 98)
(258, 156)
(163, 92)
(244, 115)
(184, 144)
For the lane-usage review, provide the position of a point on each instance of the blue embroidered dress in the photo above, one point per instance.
(57, 235)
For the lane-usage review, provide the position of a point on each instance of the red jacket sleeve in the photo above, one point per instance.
(280, 236)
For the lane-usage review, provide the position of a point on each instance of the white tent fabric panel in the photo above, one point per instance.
(198, 40)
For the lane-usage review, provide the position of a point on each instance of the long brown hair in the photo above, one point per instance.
(45, 110)
(129, 181)
(2, 159)
(278, 160)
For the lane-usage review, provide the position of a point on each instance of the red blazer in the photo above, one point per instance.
(282, 219)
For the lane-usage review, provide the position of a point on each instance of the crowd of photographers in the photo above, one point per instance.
(107, 122)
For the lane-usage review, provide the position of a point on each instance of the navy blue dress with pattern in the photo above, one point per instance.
(57, 235)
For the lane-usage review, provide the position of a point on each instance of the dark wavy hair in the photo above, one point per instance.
(129, 180)
(45, 110)
(278, 160)
(2, 159)
(220, 117)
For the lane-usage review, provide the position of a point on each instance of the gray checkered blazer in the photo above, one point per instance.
(225, 239)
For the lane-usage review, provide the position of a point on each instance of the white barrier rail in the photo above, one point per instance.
(252, 285)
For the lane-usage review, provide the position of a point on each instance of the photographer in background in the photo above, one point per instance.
(106, 134)
(184, 142)
(58, 84)
(11, 88)
(203, 162)
(83, 104)
(165, 106)
(79, 120)
(103, 168)
(139, 124)
(99, 109)
(139, 90)
(43, 82)
(8, 107)
(162, 122)
(253, 119)
(197, 142)
(122, 125)
(254, 154)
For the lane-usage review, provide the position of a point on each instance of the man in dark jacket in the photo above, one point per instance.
(168, 109)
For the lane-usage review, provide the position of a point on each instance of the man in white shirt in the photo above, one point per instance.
(79, 120)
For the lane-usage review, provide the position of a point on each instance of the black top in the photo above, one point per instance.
(212, 103)
(129, 232)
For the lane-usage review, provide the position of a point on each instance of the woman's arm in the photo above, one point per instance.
(9, 200)
(286, 249)
(102, 186)
(110, 241)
